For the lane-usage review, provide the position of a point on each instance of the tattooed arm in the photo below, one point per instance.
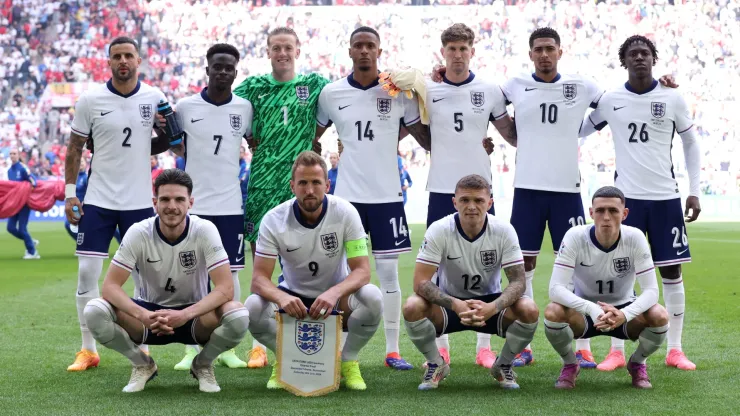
(71, 170)
(515, 289)
(421, 133)
(424, 287)
(506, 128)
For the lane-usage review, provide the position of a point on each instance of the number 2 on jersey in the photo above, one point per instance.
(127, 132)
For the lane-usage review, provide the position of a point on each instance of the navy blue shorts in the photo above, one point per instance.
(183, 335)
(494, 326)
(663, 223)
(533, 209)
(231, 230)
(307, 302)
(98, 225)
(591, 332)
(386, 224)
(440, 206)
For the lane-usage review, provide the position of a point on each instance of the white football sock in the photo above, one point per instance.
(560, 336)
(518, 334)
(584, 344)
(423, 334)
(650, 341)
(262, 322)
(367, 306)
(237, 285)
(674, 297)
(257, 344)
(443, 341)
(387, 269)
(484, 341)
(529, 292)
(87, 289)
(102, 324)
(232, 329)
(618, 344)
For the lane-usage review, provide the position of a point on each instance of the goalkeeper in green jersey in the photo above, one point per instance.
(283, 125)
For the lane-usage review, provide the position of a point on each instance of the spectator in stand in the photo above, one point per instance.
(334, 171)
(156, 170)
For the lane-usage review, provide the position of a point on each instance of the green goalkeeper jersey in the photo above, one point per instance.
(284, 125)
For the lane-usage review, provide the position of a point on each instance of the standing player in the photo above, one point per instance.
(467, 251)
(214, 122)
(178, 256)
(323, 253)
(18, 223)
(602, 262)
(368, 122)
(644, 116)
(119, 116)
(284, 112)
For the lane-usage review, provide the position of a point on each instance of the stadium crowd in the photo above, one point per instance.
(44, 42)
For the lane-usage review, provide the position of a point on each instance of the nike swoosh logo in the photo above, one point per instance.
(342, 108)
(289, 250)
(80, 294)
(586, 265)
(193, 120)
(530, 89)
(398, 243)
(148, 260)
(678, 314)
(105, 114)
(238, 259)
(434, 100)
(453, 258)
(619, 108)
(682, 251)
(262, 95)
(391, 292)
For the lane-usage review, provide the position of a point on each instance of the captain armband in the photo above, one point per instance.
(356, 248)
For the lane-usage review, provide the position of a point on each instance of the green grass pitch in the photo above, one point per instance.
(39, 335)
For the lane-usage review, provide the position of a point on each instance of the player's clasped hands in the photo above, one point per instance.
(479, 313)
(164, 321)
(611, 319)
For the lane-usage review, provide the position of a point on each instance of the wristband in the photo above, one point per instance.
(70, 191)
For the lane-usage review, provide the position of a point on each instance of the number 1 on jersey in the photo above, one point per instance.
(285, 115)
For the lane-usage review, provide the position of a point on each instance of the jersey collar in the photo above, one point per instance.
(113, 89)
(465, 236)
(467, 80)
(179, 239)
(204, 96)
(592, 234)
(299, 217)
(352, 82)
(554, 80)
(629, 88)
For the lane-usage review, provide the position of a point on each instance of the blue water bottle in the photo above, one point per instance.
(172, 129)
(76, 214)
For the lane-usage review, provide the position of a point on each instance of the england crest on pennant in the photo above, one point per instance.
(657, 109)
(488, 257)
(187, 259)
(329, 241)
(621, 264)
(309, 336)
(477, 98)
(302, 92)
(384, 105)
(236, 121)
(146, 111)
(570, 91)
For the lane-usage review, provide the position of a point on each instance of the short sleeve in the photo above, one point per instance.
(642, 255)
(267, 243)
(507, 88)
(81, 123)
(323, 116)
(593, 91)
(248, 116)
(353, 228)
(568, 253)
(684, 121)
(511, 253)
(432, 247)
(129, 250)
(499, 103)
(211, 245)
(411, 113)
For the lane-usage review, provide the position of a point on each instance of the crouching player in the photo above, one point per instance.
(322, 247)
(468, 250)
(602, 262)
(175, 254)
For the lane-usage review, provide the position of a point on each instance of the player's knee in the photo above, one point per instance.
(256, 305)
(657, 315)
(527, 311)
(672, 272)
(371, 297)
(554, 312)
(414, 309)
(530, 262)
(235, 322)
(100, 318)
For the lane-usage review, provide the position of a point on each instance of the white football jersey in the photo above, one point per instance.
(605, 274)
(459, 115)
(121, 127)
(212, 144)
(469, 268)
(548, 118)
(368, 122)
(643, 126)
(172, 274)
(312, 256)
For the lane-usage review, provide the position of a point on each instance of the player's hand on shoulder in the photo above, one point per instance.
(669, 81)
(323, 305)
(69, 204)
(293, 306)
(438, 72)
(488, 145)
(693, 208)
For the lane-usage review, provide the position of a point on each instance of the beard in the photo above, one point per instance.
(310, 205)
(123, 78)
